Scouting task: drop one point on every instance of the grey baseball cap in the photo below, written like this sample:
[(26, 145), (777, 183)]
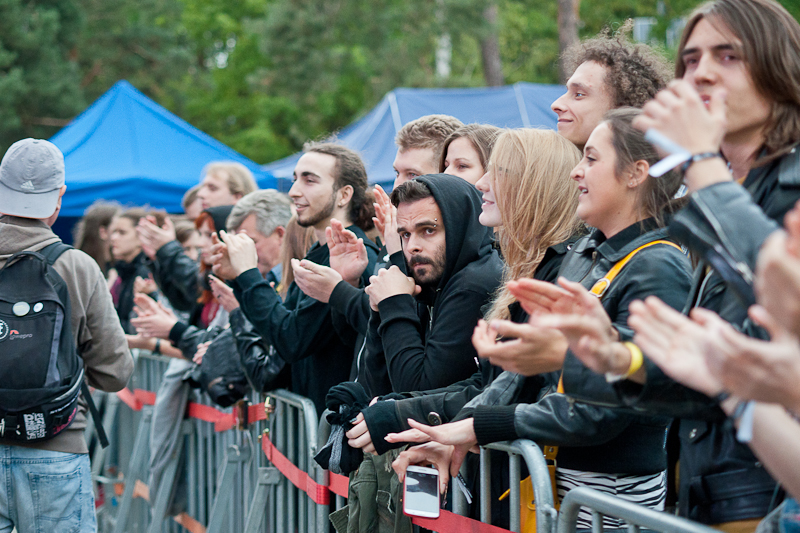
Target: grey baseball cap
[(31, 176)]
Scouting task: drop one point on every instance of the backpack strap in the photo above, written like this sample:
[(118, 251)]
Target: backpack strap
[(601, 285), (52, 252)]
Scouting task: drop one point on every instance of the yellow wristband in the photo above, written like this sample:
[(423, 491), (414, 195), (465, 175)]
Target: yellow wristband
[(637, 359)]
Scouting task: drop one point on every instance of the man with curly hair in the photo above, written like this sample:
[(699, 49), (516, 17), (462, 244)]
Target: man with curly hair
[(608, 72)]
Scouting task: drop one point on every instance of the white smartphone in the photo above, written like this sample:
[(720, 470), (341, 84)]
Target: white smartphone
[(421, 492)]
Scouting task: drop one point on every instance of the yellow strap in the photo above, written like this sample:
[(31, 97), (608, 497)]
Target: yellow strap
[(602, 284)]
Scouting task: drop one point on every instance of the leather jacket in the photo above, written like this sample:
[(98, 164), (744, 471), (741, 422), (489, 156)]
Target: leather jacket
[(721, 480)]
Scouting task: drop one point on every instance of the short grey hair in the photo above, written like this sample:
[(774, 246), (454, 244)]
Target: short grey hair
[(272, 209)]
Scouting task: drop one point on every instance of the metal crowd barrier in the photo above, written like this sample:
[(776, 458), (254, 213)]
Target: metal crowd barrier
[(636, 516), (235, 486), (223, 469)]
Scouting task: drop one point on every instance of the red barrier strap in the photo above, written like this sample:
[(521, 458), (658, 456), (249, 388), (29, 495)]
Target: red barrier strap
[(452, 523), (339, 484), (319, 493)]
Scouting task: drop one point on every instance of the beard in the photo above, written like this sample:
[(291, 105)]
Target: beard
[(431, 276), (314, 218)]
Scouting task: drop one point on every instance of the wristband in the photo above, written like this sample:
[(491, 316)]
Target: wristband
[(157, 348), (637, 361), (699, 157)]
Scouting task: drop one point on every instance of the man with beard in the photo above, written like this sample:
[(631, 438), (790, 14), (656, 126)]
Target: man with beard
[(420, 328), (329, 182)]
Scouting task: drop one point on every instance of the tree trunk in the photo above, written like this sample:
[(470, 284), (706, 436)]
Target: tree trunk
[(490, 49), (567, 31)]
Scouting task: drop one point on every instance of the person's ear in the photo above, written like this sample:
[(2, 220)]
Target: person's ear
[(344, 195), (638, 173)]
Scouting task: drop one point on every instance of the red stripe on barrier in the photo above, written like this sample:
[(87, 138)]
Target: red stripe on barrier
[(127, 397), (145, 396), (301, 480), (339, 484), (453, 523)]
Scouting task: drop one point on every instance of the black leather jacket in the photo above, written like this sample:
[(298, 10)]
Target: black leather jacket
[(597, 438), (720, 478)]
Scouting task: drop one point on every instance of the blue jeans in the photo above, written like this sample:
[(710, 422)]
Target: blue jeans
[(45, 492)]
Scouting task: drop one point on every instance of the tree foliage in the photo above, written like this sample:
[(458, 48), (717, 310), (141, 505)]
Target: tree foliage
[(264, 76)]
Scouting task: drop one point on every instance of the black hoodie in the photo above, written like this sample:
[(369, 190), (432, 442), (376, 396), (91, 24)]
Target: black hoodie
[(425, 342)]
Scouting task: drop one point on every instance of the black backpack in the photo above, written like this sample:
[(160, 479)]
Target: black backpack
[(41, 373)]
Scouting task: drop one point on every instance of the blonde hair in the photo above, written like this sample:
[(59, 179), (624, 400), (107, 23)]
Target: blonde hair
[(237, 176), (530, 173), (429, 131)]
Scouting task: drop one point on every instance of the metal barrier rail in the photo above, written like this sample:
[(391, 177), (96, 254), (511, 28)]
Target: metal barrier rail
[(546, 513), (233, 487), (636, 516), (293, 432), (211, 460)]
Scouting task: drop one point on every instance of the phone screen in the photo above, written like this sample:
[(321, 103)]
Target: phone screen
[(421, 493)]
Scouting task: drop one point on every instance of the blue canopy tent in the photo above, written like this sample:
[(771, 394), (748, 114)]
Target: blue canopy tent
[(127, 148), (513, 106)]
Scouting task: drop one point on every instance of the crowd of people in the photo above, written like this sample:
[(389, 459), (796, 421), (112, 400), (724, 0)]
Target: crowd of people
[(641, 325)]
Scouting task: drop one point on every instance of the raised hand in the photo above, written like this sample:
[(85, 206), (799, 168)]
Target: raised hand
[(348, 255), (679, 113), (569, 298), (675, 343), (223, 293), (527, 350), (386, 220), (766, 371), (153, 237), (241, 251), (153, 320), (316, 281)]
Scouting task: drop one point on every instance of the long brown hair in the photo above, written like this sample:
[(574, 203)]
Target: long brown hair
[(770, 39), (656, 196), (296, 242), (482, 137), (530, 173)]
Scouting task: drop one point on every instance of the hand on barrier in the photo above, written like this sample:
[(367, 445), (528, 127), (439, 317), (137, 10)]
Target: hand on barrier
[(348, 255), (316, 281), (527, 350), (223, 293), (439, 455), (241, 252), (152, 237), (359, 437), (676, 343), (390, 282), (153, 320), (386, 220), (752, 369)]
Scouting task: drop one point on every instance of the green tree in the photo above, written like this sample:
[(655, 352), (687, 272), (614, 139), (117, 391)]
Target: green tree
[(39, 79)]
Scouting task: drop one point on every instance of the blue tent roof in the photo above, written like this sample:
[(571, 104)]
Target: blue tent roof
[(514, 106), (125, 147)]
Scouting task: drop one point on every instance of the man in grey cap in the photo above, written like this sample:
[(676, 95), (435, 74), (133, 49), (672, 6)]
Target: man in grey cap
[(48, 484)]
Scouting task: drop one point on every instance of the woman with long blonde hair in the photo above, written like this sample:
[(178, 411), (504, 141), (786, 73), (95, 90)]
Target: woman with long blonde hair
[(530, 199)]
